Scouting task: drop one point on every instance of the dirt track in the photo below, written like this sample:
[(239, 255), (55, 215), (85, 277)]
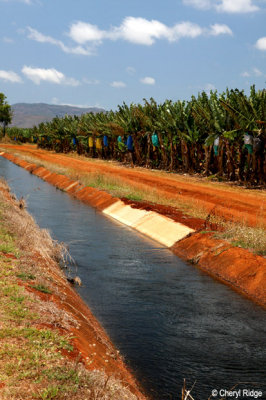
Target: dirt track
[(234, 266), (231, 203)]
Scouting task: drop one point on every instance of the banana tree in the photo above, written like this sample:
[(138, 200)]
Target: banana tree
[(154, 113), (247, 118), (132, 119)]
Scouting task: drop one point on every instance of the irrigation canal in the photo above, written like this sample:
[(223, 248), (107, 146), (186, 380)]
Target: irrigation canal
[(168, 319)]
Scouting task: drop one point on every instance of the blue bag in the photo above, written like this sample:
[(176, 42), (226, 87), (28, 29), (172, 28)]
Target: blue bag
[(105, 141), (130, 143), (155, 140)]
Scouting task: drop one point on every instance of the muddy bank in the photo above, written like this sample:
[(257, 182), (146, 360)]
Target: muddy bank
[(242, 270), (62, 309)]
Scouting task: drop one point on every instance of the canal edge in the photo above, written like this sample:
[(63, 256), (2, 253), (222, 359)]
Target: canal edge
[(238, 268), (62, 311)]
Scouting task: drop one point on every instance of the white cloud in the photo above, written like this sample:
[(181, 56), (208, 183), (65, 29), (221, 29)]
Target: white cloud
[(208, 87), (261, 44), (148, 80), (134, 30), (257, 72), (20, 1), (37, 75), (202, 4), (142, 31), (237, 6), (91, 81), (82, 32), (254, 72), (220, 29), (118, 84), (228, 6), (130, 70), (184, 29), (7, 40), (71, 82), (57, 102), (139, 31), (39, 37), (10, 76)]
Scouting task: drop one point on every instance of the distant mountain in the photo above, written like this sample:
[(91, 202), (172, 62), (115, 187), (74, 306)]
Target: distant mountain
[(27, 115)]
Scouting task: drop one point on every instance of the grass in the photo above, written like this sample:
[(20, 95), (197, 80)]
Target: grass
[(25, 276), (7, 244), (238, 234), (197, 179), (33, 364), (41, 288), (241, 235), (113, 185)]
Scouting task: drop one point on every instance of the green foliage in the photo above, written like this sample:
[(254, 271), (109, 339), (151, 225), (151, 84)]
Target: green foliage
[(42, 289), (25, 276), (186, 133), (134, 197), (5, 112)]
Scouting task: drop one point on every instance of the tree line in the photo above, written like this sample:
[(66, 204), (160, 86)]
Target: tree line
[(217, 135)]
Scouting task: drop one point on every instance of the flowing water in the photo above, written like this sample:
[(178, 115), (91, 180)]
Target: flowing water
[(168, 319)]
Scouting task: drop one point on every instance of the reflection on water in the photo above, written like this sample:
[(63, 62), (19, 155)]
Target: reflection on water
[(168, 319)]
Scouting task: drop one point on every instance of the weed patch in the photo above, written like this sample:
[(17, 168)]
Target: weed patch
[(41, 288), (25, 276), (241, 235)]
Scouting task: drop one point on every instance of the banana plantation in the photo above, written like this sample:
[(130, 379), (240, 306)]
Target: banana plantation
[(218, 135)]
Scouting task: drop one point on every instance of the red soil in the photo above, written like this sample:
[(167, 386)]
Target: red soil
[(239, 205), (91, 344), (244, 271), (8, 255), (239, 268)]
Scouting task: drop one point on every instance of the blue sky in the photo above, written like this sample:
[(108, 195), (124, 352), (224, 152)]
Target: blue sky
[(101, 53)]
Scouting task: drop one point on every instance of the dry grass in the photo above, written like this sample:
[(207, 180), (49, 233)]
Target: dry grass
[(239, 234), (31, 237), (180, 177), (6, 140), (31, 363)]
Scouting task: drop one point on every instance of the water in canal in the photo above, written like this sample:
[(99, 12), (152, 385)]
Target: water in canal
[(168, 319)]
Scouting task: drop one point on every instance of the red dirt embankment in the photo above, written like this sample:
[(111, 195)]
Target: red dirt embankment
[(231, 204), (244, 271), (92, 346)]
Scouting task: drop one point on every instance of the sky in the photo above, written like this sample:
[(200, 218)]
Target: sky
[(101, 53)]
